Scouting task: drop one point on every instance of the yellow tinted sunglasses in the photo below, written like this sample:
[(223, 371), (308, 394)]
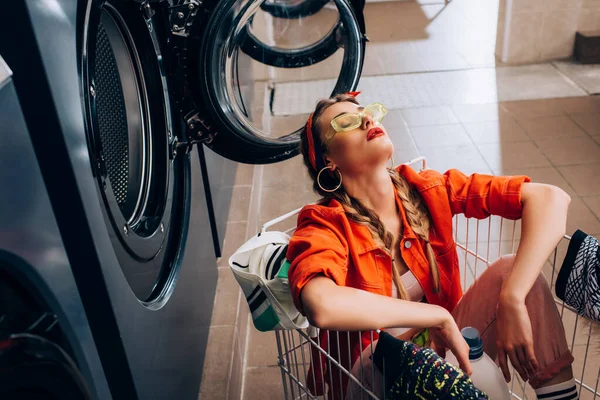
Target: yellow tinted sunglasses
[(349, 121)]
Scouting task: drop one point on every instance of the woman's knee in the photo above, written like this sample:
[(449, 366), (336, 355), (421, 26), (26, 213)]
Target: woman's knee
[(499, 269), (502, 267)]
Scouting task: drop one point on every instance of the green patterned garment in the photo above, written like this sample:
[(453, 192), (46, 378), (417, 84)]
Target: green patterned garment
[(419, 373)]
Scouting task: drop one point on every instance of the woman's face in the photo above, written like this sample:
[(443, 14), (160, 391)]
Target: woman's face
[(361, 149)]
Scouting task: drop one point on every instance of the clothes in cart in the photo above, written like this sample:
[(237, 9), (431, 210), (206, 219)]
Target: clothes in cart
[(412, 372), (261, 269), (578, 282)]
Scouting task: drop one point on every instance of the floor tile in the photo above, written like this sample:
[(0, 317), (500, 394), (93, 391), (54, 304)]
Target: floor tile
[(512, 155), (589, 122), (594, 204), (536, 81), (504, 130), (585, 179), (580, 105), (282, 125), (468, 86), (586, 76), (404, 144), (478, 112), (464, 158), (440, 136), (444, 62), (286, 175), (237, 376), (262, 349), (429, 116), (235, 236), (580, 217), (476, 60), (570, 151), (226, 299), (532, 108), (373, 62), (244, 174), (405, 154), (217, 363), (548, 175), (264, 383), (554, 127), (276, 202), (240, 201), (393, 119), (396, 64)]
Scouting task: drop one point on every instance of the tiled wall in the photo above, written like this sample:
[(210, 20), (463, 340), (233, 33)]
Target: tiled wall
[(542, 30), (589, 16)]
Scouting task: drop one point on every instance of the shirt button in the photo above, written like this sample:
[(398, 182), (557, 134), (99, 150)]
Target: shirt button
[(407, 244)]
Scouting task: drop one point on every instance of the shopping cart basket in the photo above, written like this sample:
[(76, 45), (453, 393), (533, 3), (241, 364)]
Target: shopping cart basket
[(479, 243)]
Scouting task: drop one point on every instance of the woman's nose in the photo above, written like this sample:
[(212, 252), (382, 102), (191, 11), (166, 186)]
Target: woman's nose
[(367, 121)]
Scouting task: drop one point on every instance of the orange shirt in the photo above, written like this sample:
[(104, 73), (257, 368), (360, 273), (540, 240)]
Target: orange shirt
[(327, 243)]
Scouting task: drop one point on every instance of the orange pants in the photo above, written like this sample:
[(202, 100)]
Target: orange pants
[(477, 308)]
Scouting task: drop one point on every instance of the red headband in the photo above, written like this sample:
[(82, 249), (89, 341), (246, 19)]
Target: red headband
[(311, 143), (314, 153)]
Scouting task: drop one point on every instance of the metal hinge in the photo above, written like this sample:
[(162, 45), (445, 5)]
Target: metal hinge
[(181, 17), (197, 131)]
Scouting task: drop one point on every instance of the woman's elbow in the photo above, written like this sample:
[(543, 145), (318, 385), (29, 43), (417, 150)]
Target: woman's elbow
[(559, 198), (537, 194), (315, 305), (317, 314)]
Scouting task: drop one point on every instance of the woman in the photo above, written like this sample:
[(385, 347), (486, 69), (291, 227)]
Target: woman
[(377, 225)]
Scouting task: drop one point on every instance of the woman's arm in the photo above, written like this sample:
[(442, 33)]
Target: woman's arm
[(543, 225), (341, 308)]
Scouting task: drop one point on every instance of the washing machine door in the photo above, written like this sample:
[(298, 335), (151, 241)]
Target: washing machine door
[(249, 73)]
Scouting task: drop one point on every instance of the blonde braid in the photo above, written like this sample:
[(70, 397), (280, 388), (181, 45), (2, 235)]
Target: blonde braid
[(418, 219), (360, 214), (354, 209)]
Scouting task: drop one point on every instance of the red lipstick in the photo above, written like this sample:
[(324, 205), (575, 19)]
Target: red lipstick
[(374, 133)]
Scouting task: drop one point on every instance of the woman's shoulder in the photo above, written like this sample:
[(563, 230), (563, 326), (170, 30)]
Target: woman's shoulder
[(325, 209), (421, 179)]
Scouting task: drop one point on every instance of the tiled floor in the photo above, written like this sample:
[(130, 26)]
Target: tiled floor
[(434, 67)]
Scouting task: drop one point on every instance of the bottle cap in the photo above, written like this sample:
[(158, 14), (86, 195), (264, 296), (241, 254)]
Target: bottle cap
[(473, 339)]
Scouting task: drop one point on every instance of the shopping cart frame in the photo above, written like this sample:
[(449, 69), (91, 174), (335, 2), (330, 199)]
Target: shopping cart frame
[(292, 345)]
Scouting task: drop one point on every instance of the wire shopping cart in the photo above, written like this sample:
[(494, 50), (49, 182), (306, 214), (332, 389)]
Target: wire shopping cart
[(479, 243)]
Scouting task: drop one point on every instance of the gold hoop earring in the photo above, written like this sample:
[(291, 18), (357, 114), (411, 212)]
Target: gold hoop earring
[(321, 186), (393, 163)]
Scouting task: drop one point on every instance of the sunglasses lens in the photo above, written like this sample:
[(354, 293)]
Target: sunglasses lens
[(377, 112), (348, 121)]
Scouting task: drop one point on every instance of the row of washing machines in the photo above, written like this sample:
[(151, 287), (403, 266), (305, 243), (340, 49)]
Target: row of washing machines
[(121, 126)]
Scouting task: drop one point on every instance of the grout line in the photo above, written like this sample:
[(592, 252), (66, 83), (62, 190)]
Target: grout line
[(580, 127), (570, 80), (252, 226)]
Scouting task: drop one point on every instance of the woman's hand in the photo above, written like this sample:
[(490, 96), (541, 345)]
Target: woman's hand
[(515, 339), (448, 336)]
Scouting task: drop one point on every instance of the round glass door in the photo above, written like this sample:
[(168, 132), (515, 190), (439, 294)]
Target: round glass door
[(259, 69)]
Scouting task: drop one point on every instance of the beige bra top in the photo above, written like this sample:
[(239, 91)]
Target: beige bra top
[(415, 293)]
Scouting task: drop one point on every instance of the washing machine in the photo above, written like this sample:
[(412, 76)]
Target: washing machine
[(121, 122), (47, 349)]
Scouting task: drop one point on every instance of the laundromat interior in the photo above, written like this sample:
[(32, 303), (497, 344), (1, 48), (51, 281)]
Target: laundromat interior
[(143, 142)]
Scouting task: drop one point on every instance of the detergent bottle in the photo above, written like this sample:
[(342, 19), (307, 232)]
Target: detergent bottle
[(486, 375)]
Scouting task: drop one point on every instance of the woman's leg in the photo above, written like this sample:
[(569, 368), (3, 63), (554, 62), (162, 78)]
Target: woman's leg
[(368, 375), (477, 308)]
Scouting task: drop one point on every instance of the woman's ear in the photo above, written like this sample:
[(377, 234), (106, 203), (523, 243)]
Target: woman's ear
[(330, 164)]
